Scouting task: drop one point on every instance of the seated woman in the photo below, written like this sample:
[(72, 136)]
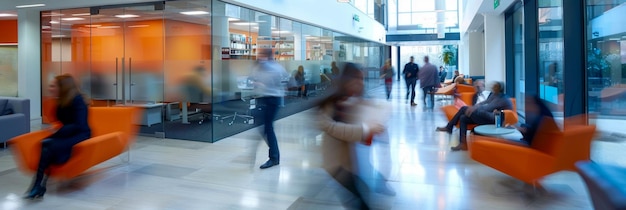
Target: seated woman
[(537, 112), (300, 82), (71, 112)]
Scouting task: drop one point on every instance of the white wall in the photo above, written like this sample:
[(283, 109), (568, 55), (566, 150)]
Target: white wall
[(323, 13), (476, 53), (495, 68)]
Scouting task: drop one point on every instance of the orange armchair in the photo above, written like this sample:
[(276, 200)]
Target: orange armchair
[(552, 151), (112, 132)]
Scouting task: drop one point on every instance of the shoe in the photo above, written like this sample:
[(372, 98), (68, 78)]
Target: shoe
[(443, 129), (36, 192), (413, 104), (461, 146), (269, 163)]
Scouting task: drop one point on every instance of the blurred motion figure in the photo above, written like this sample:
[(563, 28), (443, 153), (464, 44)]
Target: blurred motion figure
[(267, 80), (71, 112), (343, 127)]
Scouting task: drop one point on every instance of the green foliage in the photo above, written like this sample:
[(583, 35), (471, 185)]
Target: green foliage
[(597, 64), (448, 55)]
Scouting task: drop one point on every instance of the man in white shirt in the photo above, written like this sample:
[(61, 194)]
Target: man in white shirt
[(481, 94)]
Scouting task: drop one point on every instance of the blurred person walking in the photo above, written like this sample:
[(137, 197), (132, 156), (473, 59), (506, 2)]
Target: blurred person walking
[(429, 80), (387, 72), (410, 72), (344, 127), (267, 79), (71, 112)]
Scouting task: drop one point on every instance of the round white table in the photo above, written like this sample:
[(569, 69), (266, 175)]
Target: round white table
[(491, 130)]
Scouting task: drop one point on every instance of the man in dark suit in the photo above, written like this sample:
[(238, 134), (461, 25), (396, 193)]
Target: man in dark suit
[(481, 114), (410, 77), (442, 74)]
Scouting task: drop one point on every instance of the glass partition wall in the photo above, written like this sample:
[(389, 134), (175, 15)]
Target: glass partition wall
[(186, 63)]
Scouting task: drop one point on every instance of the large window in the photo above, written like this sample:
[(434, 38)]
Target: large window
[(606, 59), (518, 48), (422, 16), (550, 19)]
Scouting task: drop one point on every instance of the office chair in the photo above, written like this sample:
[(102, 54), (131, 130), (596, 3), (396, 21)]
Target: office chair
[(246, 87)]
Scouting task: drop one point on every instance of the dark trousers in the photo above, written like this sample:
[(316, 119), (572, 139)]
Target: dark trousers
[(270, 110), (48, 156), (410, 86), (464, 120), (428, 90)]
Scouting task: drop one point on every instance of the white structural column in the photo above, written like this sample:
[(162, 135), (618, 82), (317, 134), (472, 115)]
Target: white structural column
[(476, 53), (494, 48), (28, 60), (463, 56), (440, 6)]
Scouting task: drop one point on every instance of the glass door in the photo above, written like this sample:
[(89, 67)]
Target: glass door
[(127, 60)]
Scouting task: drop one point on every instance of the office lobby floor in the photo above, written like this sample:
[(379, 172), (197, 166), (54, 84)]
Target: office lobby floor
[(175, 174)]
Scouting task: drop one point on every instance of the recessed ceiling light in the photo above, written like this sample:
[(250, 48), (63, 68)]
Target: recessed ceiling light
[(7, 15), (92, 26), (58, 36), (72, 19), (127, 16), (54, 22), (281, 32), (106, 27), (81, 14), (232, 19), (194, 13), (53, 14), (244, 23), (138, 26), (30, 5)]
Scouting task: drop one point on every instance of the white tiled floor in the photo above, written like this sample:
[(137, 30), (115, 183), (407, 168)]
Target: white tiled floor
[(174, 174)]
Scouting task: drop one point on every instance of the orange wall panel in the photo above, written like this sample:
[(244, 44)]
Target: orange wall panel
[(8, 34)]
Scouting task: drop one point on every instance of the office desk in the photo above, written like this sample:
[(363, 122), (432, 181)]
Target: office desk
[(152, 113)]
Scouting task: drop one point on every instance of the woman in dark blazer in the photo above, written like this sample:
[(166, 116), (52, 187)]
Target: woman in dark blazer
[(71, 112)]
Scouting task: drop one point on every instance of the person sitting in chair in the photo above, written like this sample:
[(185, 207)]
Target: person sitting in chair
[(481, 114)]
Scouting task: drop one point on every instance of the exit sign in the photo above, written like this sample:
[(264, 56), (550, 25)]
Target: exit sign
[(496, 3)]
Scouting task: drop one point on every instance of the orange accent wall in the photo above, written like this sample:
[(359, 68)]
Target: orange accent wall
[(9, 31)]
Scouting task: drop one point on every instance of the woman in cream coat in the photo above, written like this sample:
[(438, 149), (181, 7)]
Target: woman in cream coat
[(339, 119)]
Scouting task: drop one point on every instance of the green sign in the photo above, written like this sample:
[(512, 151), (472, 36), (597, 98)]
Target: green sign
[(496, 3)]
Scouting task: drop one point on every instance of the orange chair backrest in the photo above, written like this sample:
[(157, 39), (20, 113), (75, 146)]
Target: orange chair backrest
[(104, 120), (465, 88), (467, 97), (576, 146)]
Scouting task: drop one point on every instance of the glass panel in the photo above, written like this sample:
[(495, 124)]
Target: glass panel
[(187, 70), (423, 5), (404, 6), (451, 19), (551, 54), (127, 61), (425, 19), (606, 66), (451, 4), (404, 19)]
